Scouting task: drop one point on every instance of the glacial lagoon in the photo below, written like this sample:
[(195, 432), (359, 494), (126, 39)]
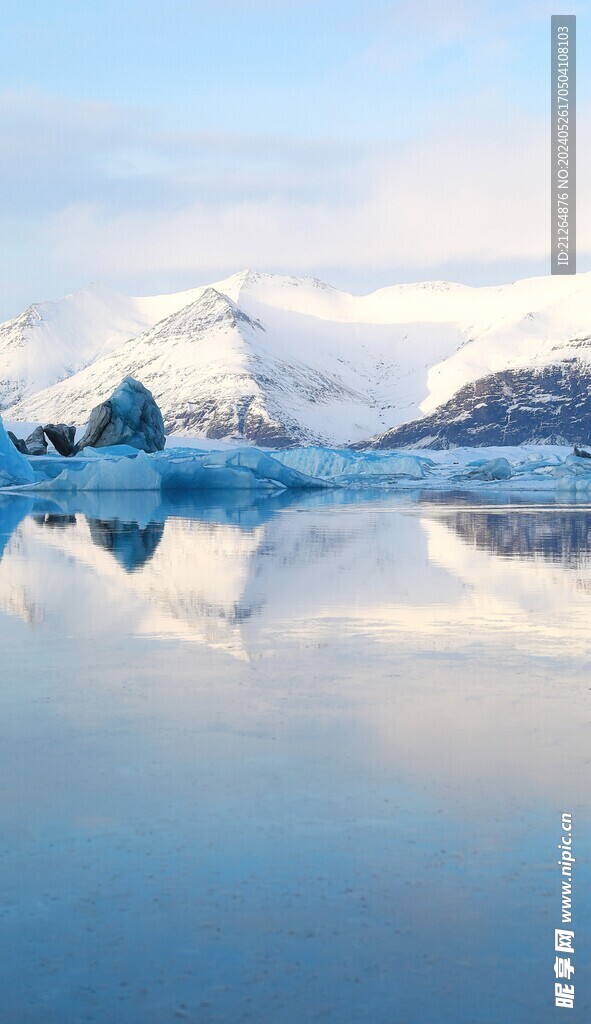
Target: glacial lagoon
[(296, 757)]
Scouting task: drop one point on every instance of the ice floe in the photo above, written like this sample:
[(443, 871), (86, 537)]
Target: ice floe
[(343, 466), (492, 469), (574, 474), (187, 470)]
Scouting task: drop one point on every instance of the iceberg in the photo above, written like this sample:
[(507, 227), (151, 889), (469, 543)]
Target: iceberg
[(493, 469), (106, 474), (574, 474), (14, 467), (533, 463), (346, 466), (266, 467), (130, 416)]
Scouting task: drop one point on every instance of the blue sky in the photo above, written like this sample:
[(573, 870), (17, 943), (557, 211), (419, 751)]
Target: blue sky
[(154, 146)]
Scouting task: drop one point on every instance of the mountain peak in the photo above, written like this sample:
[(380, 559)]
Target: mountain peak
[(211, 310), (252, 278)]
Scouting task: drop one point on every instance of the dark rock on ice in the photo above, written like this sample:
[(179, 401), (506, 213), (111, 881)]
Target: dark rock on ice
[(18, 443), (36, 443), (61, 436), (130, 416)]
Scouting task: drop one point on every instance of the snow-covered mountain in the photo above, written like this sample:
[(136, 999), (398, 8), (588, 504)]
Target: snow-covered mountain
[(279, 360), (53, 340)]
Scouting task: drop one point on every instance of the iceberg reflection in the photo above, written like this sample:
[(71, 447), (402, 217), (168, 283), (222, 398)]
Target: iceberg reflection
[(223, 572)]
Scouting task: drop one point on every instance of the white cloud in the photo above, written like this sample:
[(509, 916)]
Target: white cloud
[(94, 192), (482, 198)]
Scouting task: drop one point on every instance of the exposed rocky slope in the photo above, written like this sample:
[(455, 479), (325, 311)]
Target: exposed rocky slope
[(550, 405)]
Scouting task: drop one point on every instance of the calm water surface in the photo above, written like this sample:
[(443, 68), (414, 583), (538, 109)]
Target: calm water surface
[(290, 761)]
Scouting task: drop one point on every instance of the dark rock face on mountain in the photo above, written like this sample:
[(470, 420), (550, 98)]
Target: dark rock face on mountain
[(130, 416), (551, 405), (61, 436), (238, 417)]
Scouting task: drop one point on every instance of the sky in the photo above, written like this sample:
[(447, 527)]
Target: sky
[(151, 147)]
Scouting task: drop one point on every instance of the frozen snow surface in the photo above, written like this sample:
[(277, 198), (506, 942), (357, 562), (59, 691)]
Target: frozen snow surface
[(123, 468)]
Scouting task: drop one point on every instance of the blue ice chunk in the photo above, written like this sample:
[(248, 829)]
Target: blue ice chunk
[(267, 467), (494, 469), (118, 450), (130, 416), (347, 466), (48, 467), (14, 467), (573, 474), (105, 474), (534, 463), (242, 469)]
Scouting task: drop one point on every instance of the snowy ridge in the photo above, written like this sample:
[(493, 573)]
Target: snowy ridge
[(283, 360), (53, 340)]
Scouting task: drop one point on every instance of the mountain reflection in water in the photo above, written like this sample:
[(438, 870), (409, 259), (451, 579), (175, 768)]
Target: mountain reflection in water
[(558, 535), (204, 569), (290, 758)]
